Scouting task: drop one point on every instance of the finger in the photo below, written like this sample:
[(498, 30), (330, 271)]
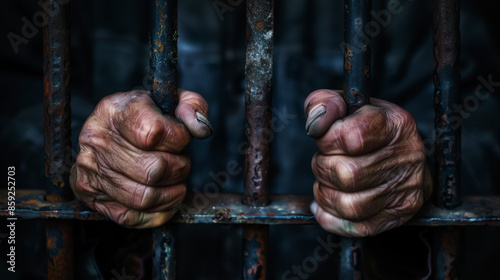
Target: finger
[(140, 197), (152, 168), (365, 131), (132, 218), (353, 174), (193, 112), (353, 206), (383, 221), (322, 109), (115, 154), (142, 124), (386, 166)]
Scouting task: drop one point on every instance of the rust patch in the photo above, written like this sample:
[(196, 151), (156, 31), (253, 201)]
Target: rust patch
[(159, 46), (259, 26), (51, 242), (347, 65), (223, 216)]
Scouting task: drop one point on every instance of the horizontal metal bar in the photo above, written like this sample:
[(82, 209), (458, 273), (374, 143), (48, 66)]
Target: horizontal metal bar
[(228, 209)]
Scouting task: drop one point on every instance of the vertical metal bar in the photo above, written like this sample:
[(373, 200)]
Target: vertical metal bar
[(357, 56), (356, 90), (57, 109), (57, 136), (445, 257), (446, 37), (163, 62), (163, 54), (165, 249), (258, 73), (350, 259), (255, 238)]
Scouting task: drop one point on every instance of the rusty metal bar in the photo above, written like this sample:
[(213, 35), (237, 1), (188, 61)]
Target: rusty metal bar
[(163, 54), (163, 62), (357, 53), (258, 73), (165, 248), (57, 108), (57, 136), (356, 93), (445, 257), (255, 238), (228, 208), (446, 35)]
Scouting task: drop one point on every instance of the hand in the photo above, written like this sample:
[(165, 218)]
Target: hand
[(131, 166), (370, 166)]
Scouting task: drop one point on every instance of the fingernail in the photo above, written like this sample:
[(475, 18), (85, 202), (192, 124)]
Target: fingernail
[(202, 119), (315, 113), (314, 207)]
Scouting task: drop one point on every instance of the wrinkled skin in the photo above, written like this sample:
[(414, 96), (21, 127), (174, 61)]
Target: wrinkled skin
[(370, 167), (131, 166)]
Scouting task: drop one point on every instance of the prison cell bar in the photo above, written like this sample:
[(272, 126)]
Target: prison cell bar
[(227, 208), (357, 56), (163, 62), (356, 93), (446, 38), (258, 73), (57, 137)]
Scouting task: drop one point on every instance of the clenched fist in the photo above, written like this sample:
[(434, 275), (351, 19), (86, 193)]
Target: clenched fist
[(370, 167), (131, 166)]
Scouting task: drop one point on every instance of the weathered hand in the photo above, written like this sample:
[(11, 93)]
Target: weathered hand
[(131, 166), (370, 166)]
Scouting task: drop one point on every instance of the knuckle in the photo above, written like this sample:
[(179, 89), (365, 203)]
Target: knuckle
[(150, 132), (180, 166), (405, 120), (336, 171), (107, 106), (156, 171), (353, 139), (84, 160), (326, 196), (343, 174), (349, 207), (144, 198)]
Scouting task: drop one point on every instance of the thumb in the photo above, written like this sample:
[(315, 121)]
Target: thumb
[(323, 107), (193, 112)]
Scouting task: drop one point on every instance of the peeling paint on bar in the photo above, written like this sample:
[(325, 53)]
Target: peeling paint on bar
[(163, 54), (258, 72), (60, 254), (165, 254), (57, 107), (446, 38), (356, 54), (446, 35), (163, 63), (57, 137), (255, 238), (356, 93)]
